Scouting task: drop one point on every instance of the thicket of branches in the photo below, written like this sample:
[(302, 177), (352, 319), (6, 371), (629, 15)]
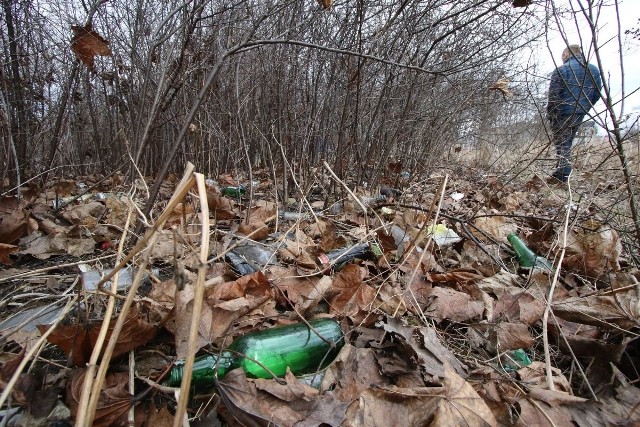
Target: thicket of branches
[(286, 85), (250, 83)]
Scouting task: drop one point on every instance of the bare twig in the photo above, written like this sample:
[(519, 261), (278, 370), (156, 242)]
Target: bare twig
[(554, 283), (197, 304), (86, 392)]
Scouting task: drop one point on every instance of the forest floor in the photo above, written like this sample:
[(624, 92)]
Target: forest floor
[(443, 328)]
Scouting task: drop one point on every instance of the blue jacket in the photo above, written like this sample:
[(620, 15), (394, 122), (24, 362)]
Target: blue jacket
[(574, 88)]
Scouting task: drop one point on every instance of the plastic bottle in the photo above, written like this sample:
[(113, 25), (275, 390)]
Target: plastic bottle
[(295, 346), (233, 191), (526, 257), (341, 256)]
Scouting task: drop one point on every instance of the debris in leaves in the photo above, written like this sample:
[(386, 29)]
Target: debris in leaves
[(439, 331)]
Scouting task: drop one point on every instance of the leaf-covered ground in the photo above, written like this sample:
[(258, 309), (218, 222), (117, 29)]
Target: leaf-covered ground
[(444, 328)]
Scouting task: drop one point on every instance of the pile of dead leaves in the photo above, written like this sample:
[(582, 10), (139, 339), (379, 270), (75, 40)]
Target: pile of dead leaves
[(439, 330)]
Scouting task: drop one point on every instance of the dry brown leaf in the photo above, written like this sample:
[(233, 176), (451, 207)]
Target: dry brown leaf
[(303, 292), (221, 207), (454, 277), (49, 227), (420, 291), (114, 401), (497, 227), (299, 251), (117, 210), (502, 85), (501, 337), (593, 253), (262, 211), (445, 303), (289, 392), (43, 247), (428, 349), (535, 376), (77, 341), (518, 307), (511, 202), (224, 304), (542, 415), (5, 250), (9, 367), (265, 402), (461, 405), (228, 179), (325, 3), (87, 44), (394, 406), (84, 214), (161, 418), (329, 238), (14, 220), (38, 399), (353, 297), (353, 371), (608, 311), (585, 341), (259, 229)]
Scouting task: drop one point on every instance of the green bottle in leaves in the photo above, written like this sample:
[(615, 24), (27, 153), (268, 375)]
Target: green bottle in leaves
[(526, 257), (233, 191), (269, 352)]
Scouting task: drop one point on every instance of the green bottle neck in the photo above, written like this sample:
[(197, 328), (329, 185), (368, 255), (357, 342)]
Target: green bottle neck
[(526, 257), (205, 367)]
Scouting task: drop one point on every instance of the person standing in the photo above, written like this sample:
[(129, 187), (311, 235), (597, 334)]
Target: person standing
[(574, 88)]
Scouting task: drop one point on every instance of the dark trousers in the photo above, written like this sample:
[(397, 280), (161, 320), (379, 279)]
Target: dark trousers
[(563, 130)]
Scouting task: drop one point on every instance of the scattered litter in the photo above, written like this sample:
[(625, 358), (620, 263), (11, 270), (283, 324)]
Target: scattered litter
[(442, 235), (90, 278), (27, 320)]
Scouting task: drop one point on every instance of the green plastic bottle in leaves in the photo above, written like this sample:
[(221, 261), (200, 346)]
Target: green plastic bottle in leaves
[(269, 352), (526, 257)]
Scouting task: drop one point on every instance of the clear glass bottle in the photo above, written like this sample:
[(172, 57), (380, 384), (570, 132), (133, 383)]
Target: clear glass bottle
[(295, 346), (526, 257)]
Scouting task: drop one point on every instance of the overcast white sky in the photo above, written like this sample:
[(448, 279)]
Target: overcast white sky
[(609, 46)]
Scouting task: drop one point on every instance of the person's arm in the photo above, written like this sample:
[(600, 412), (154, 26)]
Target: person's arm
[(597, 83), (555, 88)]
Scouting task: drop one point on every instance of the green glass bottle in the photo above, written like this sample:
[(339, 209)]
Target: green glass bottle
[(233, 191), (526, 257), (295, 346)]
